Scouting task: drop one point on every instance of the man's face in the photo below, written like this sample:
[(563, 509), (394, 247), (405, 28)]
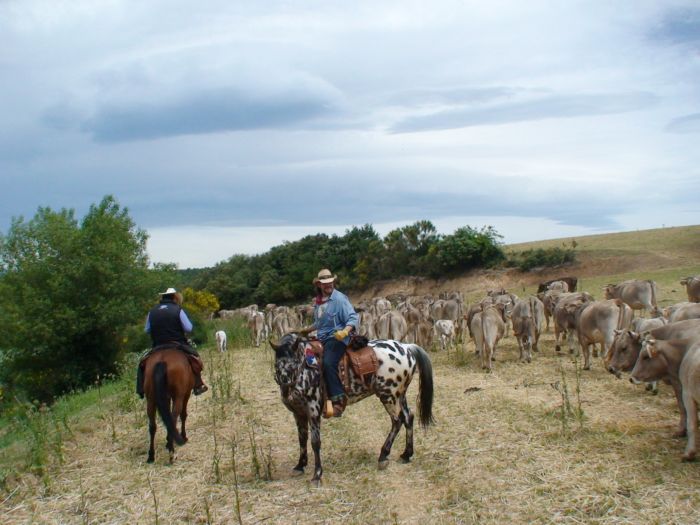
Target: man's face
[(327, 288)]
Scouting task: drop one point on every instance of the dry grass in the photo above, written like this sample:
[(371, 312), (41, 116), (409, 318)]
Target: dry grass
[(499, 454)]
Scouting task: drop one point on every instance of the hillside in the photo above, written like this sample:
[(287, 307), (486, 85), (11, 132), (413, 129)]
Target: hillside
[(664, 254)]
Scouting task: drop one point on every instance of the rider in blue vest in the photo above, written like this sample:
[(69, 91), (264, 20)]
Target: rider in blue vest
[(167, 323)]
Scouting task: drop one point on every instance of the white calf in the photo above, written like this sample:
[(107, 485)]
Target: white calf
[(220, 337), (445, 332)]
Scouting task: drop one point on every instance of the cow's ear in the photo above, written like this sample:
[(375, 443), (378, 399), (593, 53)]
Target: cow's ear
[(617, 332), (635, 336), (651, 348)]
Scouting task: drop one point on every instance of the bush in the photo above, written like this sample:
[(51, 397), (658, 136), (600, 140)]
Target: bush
[(68, 291), (540, 257)]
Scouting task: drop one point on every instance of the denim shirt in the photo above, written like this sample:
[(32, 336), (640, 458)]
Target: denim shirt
[(335, 314)]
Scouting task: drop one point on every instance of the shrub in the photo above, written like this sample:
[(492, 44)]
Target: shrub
[(529, 259)]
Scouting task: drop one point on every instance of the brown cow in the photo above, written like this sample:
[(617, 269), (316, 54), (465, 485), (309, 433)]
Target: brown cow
[(391, 325), (527, 318), (661, 360), (627, 343), (637, 294), (488, 327), (596, 322), (690, 388), (565, 317), (692, 288), (570, 281), (686, 311)]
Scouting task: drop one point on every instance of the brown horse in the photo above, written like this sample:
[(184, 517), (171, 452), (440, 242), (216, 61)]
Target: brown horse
[(168, 382)]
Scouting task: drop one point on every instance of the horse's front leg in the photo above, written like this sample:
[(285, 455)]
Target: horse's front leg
[(316, 445), (303, 434)]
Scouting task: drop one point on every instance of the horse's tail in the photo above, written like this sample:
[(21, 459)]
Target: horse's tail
[(160, 383), (426, 390)]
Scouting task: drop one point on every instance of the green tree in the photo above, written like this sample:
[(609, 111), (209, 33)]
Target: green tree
[(68, 291), (466, 248)]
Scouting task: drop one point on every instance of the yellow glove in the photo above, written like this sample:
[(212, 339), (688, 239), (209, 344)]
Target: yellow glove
[(342, 334)]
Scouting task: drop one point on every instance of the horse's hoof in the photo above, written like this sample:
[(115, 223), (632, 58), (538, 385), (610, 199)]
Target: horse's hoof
[(405, 460), (680, 433), (382, 465), (150, 459), (297, 472), (688, 457), (315, 482)]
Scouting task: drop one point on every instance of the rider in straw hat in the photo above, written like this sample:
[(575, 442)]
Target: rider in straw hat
[(334, 320), (167, 323)]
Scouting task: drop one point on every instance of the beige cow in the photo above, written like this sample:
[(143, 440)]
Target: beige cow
[(488, 327), (692, 288), (597, 321), (528, 320), (637, 294)]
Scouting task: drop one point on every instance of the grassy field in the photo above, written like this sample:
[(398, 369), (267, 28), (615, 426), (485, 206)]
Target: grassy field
[(531, 443)]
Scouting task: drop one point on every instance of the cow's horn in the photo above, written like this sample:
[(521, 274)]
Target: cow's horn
[(273, 345)]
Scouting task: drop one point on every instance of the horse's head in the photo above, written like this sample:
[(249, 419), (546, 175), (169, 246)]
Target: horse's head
[(288, 358)]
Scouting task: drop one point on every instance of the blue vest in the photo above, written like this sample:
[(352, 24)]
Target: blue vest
[(166, 326)]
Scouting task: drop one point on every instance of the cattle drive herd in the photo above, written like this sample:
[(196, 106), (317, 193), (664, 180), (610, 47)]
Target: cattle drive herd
[(652, 345)]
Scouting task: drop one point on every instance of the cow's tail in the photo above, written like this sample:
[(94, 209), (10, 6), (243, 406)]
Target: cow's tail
[(652, 285), (160, 383), (426, 388), (622, 321)]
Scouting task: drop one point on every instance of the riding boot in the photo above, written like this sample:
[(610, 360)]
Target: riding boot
[(339, 406), (199, 386), (139, 381)]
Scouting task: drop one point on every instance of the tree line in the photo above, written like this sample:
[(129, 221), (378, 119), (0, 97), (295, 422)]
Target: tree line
[(361, 257)]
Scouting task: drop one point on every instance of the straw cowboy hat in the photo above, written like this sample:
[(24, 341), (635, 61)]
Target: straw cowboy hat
[(176, 295), (325, 276)]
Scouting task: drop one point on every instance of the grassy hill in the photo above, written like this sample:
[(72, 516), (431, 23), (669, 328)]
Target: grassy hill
[(665, 255)]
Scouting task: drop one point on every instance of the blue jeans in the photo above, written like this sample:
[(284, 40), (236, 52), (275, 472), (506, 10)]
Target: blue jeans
[(333, 351)]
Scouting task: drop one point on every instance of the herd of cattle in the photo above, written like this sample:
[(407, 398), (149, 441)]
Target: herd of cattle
[(665, 346)]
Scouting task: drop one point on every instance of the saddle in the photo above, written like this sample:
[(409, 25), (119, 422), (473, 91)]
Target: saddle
[(359, 356), (195, 361)]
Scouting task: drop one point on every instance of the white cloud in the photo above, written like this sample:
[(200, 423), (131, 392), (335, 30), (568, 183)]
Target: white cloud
[(235, 116)]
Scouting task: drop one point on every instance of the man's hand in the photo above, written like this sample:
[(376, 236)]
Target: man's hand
[(342, 334), (306, 330)]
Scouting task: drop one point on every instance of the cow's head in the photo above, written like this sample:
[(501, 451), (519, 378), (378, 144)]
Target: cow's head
[(623, 352), (609, 290), (651, 364)]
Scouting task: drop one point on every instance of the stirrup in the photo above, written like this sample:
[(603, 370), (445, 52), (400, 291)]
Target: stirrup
[(200, 390)]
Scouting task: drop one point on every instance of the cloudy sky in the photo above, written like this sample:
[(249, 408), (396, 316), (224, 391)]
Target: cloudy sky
[(228, 127)]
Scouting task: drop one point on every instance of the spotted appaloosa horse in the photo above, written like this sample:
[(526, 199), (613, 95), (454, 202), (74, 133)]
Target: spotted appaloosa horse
[(302, 393)]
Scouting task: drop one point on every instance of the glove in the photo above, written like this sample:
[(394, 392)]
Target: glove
[(342, 334)]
